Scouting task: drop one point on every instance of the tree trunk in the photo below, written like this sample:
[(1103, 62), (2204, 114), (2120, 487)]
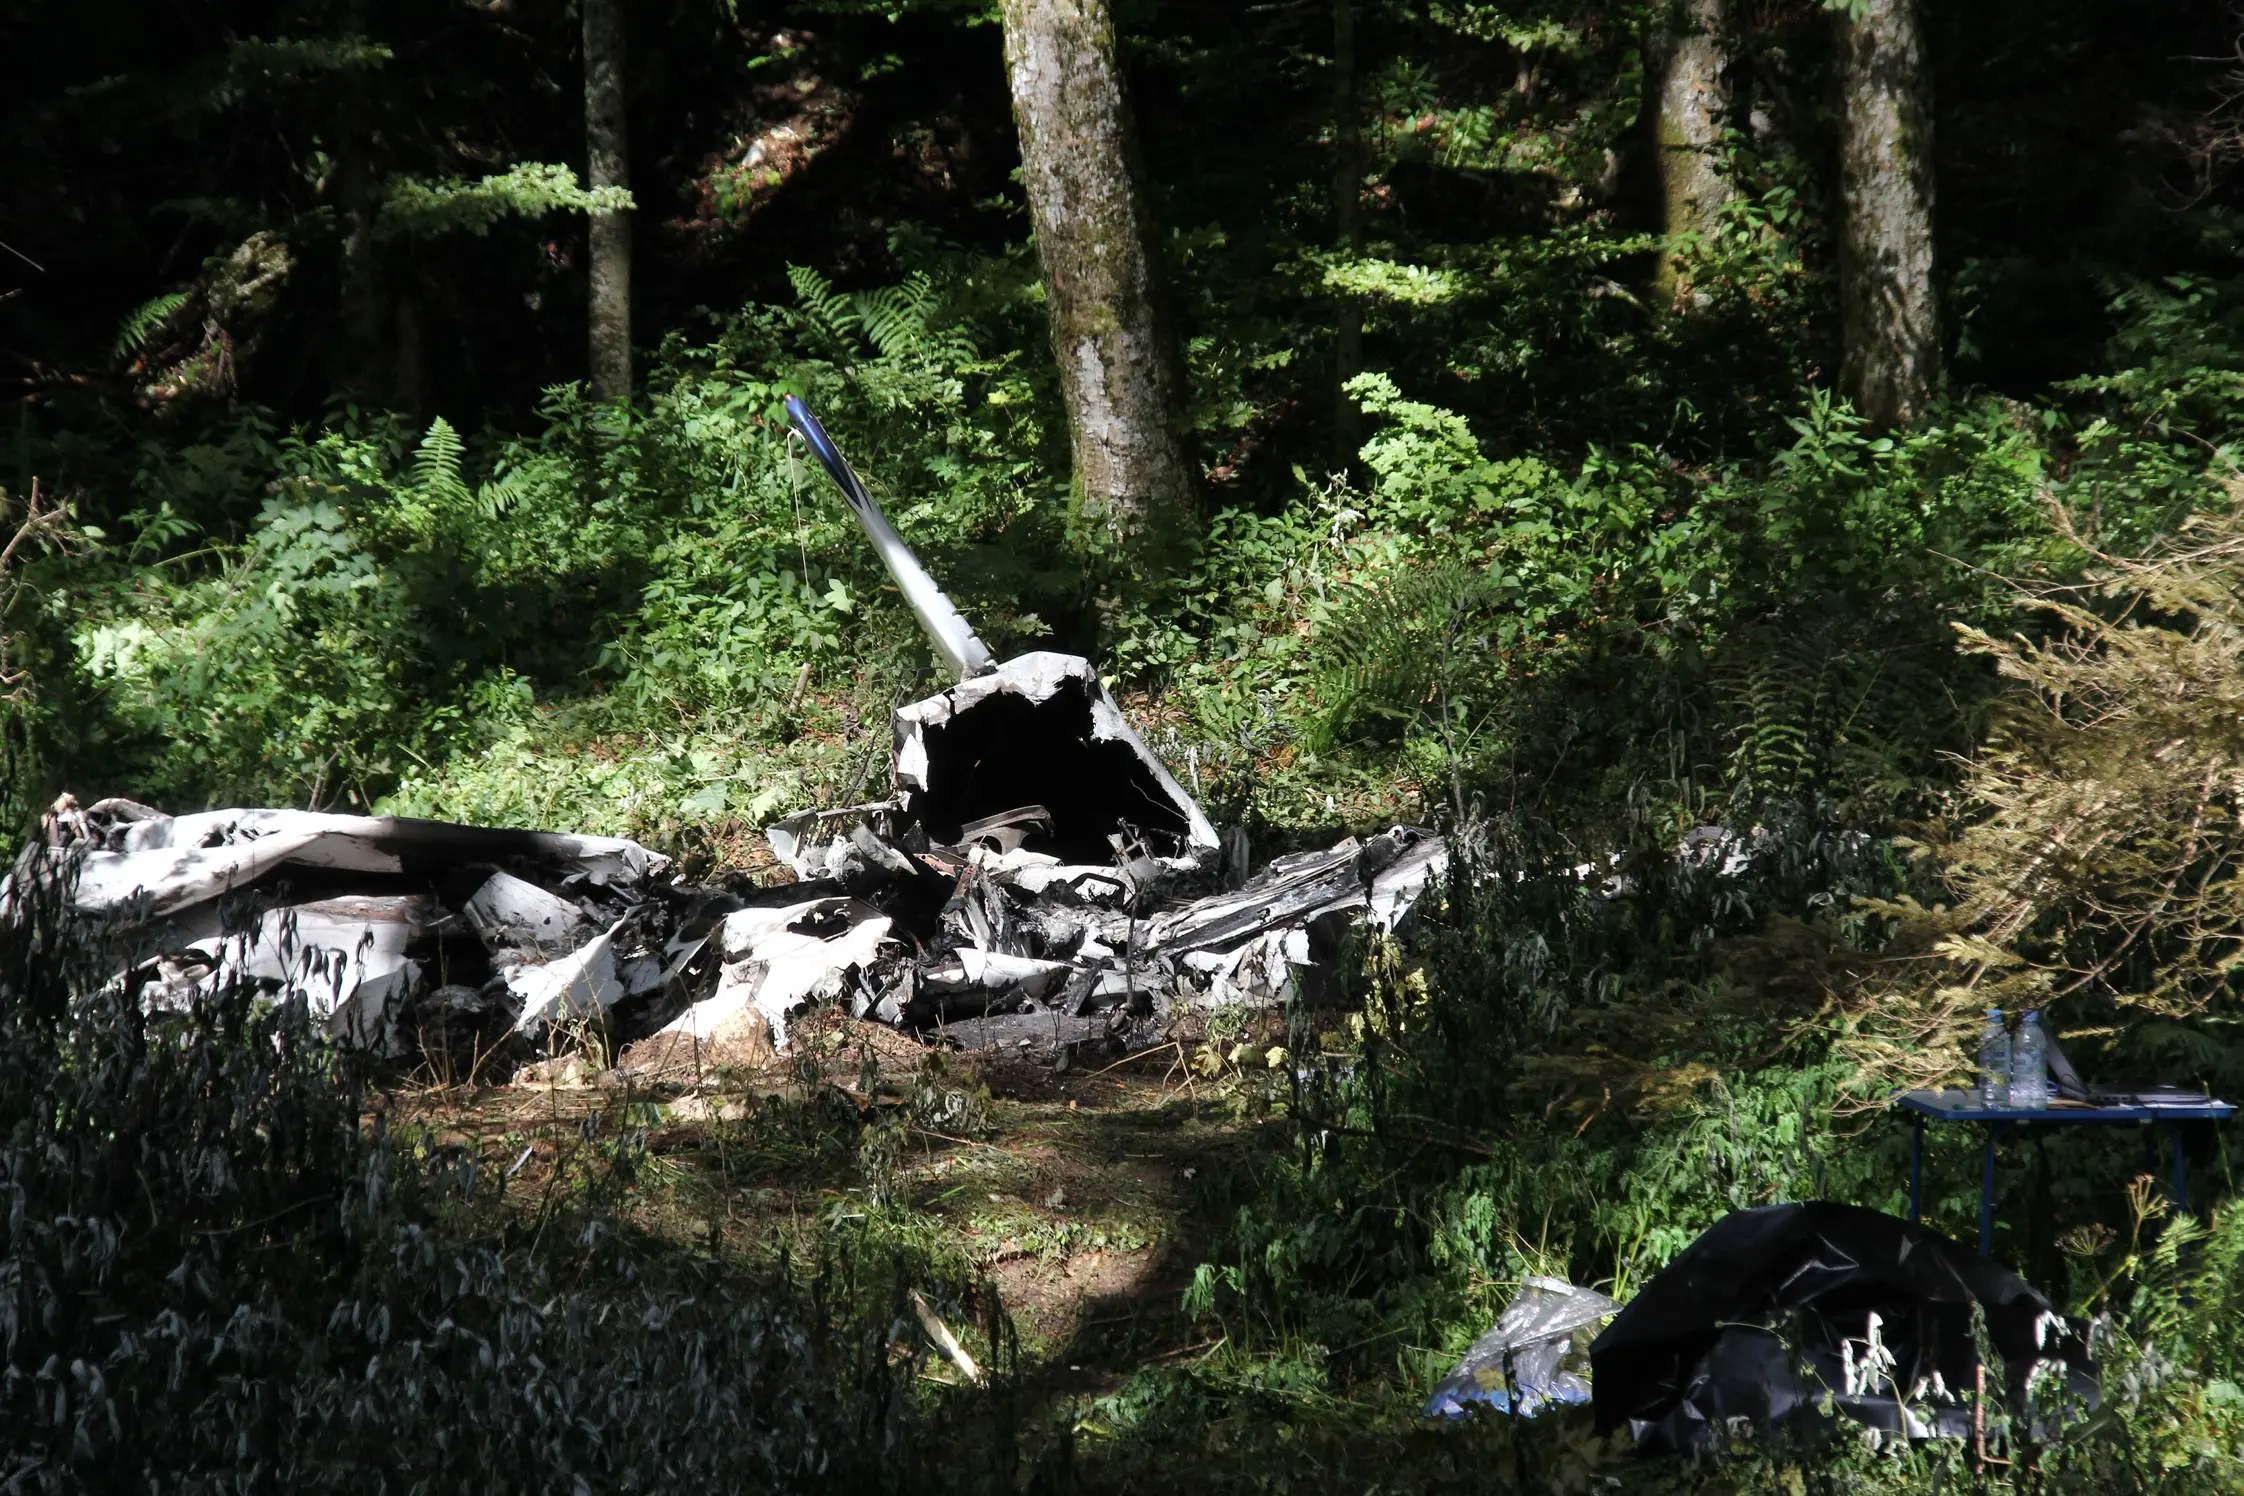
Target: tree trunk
[(611, 231), (1687, 124), (365, 290), (1120, 367), (365, 300), (1889, 324), (409, 365), (1348, 233)]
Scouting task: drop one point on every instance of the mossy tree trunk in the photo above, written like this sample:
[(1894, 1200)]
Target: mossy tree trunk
[(1889, 322), (1120, 367), (608, 166), (1687, 124)]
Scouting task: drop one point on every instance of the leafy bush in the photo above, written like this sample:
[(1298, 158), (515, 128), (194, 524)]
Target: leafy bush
[(1773, 629), (395, 589)]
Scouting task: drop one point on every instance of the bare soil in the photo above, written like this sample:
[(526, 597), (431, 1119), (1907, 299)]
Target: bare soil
[(1078, 1193)]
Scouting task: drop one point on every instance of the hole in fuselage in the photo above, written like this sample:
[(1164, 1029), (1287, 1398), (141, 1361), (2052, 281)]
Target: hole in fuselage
[(1007, 751)]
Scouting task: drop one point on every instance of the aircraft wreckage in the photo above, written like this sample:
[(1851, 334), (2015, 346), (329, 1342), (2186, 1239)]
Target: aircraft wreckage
[(1037, 879)]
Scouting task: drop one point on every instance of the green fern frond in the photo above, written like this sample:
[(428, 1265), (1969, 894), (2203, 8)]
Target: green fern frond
[(1393, 648), (899, 322), (1812, 705), (1780, 687), (145, 322), (895, 318), (821, 303), (503, 493), (436, 465)]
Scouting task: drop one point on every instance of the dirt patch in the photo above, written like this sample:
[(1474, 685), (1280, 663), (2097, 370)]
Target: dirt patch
[(684, 1059), (1050, 1300), (1077, 1193)]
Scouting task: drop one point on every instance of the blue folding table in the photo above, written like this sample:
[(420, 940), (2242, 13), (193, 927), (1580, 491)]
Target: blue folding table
[(1963, 1106)]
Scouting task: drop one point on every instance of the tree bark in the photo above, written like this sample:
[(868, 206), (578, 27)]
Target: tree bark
[(1121, 371), (1889, 322), (1687, 121), (1348, 233), (365, 302), (409, 368), (365, 289), (608, 163)]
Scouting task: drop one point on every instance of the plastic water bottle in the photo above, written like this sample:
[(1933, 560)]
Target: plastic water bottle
[(1994, 1063), (2029, 1065)]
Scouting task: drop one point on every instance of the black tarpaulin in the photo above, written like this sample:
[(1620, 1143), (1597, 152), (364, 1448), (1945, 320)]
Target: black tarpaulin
[(1802, 1311)]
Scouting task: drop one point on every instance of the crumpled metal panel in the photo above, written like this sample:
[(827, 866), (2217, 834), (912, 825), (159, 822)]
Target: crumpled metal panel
[(1041, 730), (778, 960), (344, 913)]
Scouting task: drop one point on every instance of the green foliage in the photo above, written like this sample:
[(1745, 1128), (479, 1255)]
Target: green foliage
[(395, 589), (1837, 707), (1421, 653), (2096, 864), (1384, 280), (146, 320), (294, 659), (1769, 629), (414, 208)]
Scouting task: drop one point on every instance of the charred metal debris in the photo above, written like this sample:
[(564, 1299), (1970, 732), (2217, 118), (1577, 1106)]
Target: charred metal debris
[(1037, 880)]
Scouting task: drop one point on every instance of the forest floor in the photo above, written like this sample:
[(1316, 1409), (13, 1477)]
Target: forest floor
[(1077, 1193)]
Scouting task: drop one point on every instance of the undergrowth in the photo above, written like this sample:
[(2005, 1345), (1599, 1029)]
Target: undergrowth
[(214, 1275)]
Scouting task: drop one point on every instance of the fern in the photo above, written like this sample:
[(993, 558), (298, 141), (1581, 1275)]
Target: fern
[(1860, 709), (899, 321), (145, 322), (436, 466), (504, 492), (835, 311), (440, 484), (895, 318), (1417, 650), (1779, 686)]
